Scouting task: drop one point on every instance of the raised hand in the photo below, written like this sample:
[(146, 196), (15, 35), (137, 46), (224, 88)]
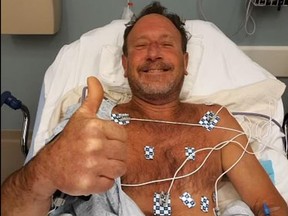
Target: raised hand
[(89, 153)]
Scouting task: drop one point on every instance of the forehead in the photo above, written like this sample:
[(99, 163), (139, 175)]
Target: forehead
[(154, 24)]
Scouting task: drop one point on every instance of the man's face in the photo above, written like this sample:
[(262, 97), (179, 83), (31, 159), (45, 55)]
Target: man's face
[(155, 64)]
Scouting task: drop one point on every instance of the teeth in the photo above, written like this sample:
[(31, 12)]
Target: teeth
[(155, 70)]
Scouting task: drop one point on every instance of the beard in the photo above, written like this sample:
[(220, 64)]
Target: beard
[(155, 87)]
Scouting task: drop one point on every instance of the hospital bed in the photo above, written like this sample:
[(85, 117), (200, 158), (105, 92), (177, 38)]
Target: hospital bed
[(219, 72)]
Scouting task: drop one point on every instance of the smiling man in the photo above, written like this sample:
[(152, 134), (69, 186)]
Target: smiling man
[(155, 53)]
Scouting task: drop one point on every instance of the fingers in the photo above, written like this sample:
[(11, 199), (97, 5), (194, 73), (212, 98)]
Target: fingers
[(95, 95), (98, 180), (116, 150), (114, 131), (113, 169), (105, 183)]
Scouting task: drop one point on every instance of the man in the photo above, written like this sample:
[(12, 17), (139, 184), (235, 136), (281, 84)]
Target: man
[(91, 153)]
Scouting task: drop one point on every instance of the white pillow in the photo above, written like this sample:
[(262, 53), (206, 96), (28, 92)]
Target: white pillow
[(215, 63)]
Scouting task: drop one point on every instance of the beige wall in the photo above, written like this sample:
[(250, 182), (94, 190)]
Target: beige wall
[(272, 58), (11, 156)]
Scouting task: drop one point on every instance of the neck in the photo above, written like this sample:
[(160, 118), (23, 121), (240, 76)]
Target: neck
[(168, 110)]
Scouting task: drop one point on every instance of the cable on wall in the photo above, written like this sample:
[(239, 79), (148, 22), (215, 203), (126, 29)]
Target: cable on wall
[(249, 5), (248, 17)]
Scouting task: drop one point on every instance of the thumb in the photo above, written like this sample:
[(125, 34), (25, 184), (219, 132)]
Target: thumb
[(95, 95)]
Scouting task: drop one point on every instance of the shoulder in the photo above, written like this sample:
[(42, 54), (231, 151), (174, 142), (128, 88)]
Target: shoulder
[(215, 109), (222, 118)]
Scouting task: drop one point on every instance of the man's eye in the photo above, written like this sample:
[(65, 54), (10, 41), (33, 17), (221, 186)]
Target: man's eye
[(167, 44), (141, 46)]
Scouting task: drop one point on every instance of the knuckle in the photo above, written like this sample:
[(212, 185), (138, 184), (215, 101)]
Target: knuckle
[(120, 170), (107, 184)]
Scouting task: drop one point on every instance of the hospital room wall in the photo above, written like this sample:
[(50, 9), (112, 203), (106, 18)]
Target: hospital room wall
[(25, 58)]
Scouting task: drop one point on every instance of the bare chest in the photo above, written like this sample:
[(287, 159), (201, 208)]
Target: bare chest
[(170, 158), (166, 148)]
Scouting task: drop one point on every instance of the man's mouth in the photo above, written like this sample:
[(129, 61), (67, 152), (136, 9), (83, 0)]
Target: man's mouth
[(155, 70), (155, 67)]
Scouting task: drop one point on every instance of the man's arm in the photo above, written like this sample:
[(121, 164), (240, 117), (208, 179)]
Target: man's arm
[(85, 158), (248, 176), (27, 191)]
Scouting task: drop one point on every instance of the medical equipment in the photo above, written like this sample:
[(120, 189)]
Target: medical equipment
[(270, 2), (256, 3), (127, 12), (8, 99), (219, 72)]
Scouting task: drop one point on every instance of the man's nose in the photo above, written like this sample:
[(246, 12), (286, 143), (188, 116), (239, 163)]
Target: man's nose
[(154, 51)]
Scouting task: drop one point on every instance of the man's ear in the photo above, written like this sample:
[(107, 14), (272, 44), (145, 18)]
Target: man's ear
[(186, 59), (124, 64)]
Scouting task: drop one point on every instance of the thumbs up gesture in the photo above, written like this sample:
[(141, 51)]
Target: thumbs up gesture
[(89, 153)]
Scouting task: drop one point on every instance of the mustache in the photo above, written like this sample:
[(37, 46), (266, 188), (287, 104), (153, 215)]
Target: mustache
[(159, 65)]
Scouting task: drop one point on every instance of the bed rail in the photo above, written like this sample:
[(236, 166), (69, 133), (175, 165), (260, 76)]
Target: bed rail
[(12, 102), (285, 129)]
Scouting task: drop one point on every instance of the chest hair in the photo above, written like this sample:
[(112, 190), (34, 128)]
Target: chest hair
[(169, 142)]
